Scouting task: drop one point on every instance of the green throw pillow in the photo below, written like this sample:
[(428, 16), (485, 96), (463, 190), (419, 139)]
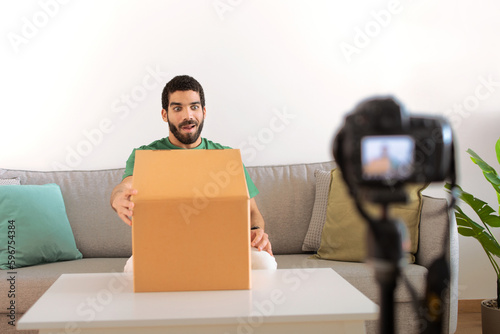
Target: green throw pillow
[(344, 234), (34, 227)]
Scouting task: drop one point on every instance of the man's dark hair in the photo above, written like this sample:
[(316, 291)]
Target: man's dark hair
[(182, 83)]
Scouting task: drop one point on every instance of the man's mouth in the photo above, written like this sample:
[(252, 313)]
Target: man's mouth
[(188, 127)]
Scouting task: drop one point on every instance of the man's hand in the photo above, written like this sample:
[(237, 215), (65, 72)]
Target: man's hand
[(120, 200), (260, 240)]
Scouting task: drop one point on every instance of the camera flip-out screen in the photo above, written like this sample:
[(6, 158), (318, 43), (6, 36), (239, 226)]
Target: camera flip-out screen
[(387, 157)]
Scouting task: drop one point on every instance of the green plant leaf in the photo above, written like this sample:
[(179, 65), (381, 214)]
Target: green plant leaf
[(480, 162), (468, 228), (489, 244), (465, 221), (489, 172), (466, 232), (498, 198), (497, 150), (481, 208)]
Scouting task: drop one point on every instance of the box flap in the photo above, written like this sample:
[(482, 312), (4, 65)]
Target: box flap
[(194, 174)]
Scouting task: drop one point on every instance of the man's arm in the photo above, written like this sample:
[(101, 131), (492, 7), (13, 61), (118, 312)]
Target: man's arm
[(259, 239), (120, 200)]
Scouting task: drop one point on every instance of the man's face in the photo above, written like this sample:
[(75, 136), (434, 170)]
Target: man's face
[(185, 117)]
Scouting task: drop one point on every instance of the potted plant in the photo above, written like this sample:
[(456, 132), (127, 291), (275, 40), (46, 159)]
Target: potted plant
[(483, 233)]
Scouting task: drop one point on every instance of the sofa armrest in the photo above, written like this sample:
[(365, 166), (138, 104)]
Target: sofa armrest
[(434, 223), (432, 232)]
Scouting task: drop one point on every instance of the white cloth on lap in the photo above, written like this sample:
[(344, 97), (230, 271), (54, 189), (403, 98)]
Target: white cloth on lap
[(260, 260)]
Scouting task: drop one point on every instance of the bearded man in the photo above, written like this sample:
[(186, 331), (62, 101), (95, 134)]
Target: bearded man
[(183, 103)]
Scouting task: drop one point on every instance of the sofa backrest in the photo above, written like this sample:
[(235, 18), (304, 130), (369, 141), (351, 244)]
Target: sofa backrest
[(285, 200)]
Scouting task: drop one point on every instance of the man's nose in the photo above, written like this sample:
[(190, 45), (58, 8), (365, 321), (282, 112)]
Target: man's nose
[(188, 114)]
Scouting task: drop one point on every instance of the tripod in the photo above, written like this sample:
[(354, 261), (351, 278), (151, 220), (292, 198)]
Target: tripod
[(387, 258), (386, 254)]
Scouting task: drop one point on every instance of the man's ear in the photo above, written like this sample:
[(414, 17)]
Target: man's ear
[(164, 115), (204, 112)]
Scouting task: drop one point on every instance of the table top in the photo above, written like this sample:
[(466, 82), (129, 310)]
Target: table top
[(283, 295)]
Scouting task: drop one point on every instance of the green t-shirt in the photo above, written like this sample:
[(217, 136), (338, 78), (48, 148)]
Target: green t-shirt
[(165, 144)]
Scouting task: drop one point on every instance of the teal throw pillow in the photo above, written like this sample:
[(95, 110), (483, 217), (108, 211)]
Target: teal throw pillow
[(34, 227)]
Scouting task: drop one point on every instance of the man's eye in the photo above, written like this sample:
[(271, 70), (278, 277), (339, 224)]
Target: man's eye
[(194, 107), (177, 109)]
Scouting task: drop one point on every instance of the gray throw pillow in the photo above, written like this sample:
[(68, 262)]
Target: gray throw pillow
[(312, 240), (15, 181)]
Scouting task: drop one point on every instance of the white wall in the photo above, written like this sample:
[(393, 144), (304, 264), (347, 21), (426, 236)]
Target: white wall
[(81, 80)]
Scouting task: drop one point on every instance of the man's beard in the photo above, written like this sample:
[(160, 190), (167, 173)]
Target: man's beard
[(188, 138)]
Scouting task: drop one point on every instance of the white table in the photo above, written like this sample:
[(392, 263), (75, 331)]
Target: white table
[(281, 301)]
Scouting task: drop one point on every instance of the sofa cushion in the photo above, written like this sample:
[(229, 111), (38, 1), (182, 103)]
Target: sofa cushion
[(344, 233), (97, 229), (286, 199), (360, 275), (34, 227)]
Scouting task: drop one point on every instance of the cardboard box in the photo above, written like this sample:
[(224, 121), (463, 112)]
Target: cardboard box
[(191, 222)]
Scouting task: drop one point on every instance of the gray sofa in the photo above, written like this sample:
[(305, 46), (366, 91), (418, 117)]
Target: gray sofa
[(286, 200)]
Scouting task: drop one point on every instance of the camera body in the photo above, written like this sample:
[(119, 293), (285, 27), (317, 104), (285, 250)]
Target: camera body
[(381, 145)]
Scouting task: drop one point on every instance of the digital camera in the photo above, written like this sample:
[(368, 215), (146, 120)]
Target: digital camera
[(381, 145)]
